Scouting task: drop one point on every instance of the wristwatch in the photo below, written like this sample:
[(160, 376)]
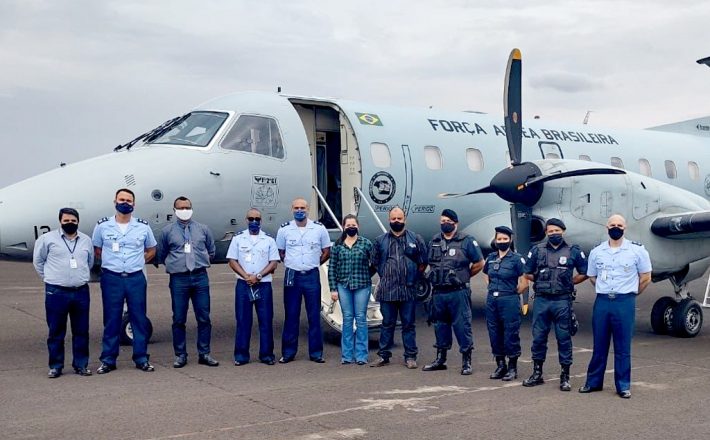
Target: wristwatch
[(258, 276)]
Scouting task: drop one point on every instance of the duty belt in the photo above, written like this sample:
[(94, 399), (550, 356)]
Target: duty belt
[(554, 296), (449, 288)]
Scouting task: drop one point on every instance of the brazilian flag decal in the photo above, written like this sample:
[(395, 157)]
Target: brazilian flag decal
[(369, 119)]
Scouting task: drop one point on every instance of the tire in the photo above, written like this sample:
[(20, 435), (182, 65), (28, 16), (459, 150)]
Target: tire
[(126, 336), (662, 315), (687, 319)]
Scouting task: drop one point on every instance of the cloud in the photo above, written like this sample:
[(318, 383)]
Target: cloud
[(566, 82)]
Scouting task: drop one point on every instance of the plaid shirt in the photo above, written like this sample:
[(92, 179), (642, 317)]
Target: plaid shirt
[(350, 266)]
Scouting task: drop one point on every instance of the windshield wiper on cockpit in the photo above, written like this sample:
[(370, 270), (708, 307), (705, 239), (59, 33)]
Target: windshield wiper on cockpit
[(155, 133)]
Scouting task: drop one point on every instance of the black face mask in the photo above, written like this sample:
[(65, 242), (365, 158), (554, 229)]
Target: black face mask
[(397, 226), (555, 239), (447, 228), (351, 232), (615, 233), (503, 245), (70, 228)]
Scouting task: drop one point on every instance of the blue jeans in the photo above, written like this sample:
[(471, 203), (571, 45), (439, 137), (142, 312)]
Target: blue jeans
[(265, 314), (612, 319), (306, 285), (503, 321), (59, 303), (407, 315), (546, 314), (453, 310), (353, 303), (115, 288), (195, 287)]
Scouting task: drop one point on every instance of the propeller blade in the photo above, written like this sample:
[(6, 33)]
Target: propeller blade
[(585, 172), (513, 117), (521, 220), (484, 190)]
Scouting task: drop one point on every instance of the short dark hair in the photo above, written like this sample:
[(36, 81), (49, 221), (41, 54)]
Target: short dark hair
[(70, 211), (126, 190), (182, 199)]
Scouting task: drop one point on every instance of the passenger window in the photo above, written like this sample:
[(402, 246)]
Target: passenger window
[(255, 134), (474, 159), (616, 162), (693, 170), (645, 167), (585, 157), (671, 171), (380, 155), (432, 157)]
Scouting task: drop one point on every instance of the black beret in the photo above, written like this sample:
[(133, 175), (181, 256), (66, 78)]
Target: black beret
[(504, 230), (450, 213), (555, 222)]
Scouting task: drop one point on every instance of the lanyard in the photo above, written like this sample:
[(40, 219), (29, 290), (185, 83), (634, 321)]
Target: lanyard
[(71, 251)]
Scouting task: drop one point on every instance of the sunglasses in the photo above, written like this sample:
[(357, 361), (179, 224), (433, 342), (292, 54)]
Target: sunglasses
[(254, 219)]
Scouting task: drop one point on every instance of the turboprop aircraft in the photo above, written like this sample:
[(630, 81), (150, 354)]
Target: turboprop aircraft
[(263, 150)]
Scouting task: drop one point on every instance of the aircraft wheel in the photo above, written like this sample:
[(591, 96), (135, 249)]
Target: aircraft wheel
[(687, 318), (662, 315), (126, 336)]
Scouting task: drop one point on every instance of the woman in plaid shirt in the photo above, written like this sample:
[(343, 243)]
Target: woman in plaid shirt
[(349, 277)]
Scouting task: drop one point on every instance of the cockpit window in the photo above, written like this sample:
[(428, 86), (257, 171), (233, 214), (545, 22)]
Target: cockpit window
[(255, 134), (196, 130)]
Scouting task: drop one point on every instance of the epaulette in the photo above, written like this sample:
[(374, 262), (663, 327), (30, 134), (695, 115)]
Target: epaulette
[(239, 233), (318, 223), (285, 224), (636, 243), (105, 219), (140, 220)]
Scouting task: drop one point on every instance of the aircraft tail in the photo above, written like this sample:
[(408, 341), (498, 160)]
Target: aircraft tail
[(696, 127)]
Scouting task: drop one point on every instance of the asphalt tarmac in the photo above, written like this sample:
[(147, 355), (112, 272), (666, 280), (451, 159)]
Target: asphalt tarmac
[(304, 400)]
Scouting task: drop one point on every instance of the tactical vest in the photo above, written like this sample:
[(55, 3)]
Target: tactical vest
[(555, 269), (449, 264)]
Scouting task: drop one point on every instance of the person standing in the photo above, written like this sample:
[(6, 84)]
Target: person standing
[(504, 272), (551, 266), (620, 270), (63, 259), (253, 256), (303, 246), (453, 259), (124, 244), (350, 282), (400, 258), (186, 248)]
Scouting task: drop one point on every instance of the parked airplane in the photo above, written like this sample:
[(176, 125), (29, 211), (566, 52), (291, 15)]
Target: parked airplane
[(265, 149)]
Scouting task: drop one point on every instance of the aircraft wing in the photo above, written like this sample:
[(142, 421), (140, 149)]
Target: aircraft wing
[(681, 226)]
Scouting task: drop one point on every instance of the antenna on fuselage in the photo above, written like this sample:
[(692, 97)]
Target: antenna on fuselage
[(586, 117)]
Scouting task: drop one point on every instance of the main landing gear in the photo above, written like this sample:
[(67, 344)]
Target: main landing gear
[(681, 316)]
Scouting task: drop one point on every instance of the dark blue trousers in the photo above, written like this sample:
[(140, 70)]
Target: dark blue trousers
[(503, 321), (407, 316), (306, 286), (195, 287), (548, 313), (115, 288), (452, 310), (264, 307), (60, 303), (612, 319)]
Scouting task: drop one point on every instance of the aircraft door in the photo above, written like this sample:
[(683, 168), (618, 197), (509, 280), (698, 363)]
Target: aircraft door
[(550, 150)]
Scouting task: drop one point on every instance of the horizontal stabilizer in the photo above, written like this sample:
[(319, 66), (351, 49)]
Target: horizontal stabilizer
[(683, 226), (696, 127)]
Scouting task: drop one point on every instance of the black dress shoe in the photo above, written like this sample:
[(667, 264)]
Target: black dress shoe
[(626, 394), (587, 389), (268, 361), (180, 361), (105, 368), (83, 371), (318, 360), (146, 366), (54, 373), (206, 359), (285, 360)]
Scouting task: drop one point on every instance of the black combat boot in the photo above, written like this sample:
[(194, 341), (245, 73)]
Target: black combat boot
[(536, 378), (439, 363), (466, 369), (512, 369), (564, 379), (501, 370)]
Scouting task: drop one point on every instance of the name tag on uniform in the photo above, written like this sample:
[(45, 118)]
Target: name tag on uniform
[(72, 263), (247, 257), (188, 248), (115, 247), (604, 275)]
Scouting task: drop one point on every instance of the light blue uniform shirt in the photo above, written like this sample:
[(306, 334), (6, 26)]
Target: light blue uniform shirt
[(128, 256), (253, 256), (303, 247), (617, 269), (53, 254)]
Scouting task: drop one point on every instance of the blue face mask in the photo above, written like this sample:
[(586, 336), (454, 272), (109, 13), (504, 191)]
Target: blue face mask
[(124, 208), (254, 227), (299, 216)]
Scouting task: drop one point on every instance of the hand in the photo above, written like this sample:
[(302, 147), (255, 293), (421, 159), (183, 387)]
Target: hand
[(334, 295), (251, 279)]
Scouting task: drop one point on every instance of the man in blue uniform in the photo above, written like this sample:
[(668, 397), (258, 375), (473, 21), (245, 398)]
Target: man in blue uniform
[(124, 244), (253, 256), (63, 258), (620, 269), (186, 247), (303, 246), (453, 259), (551, 266)]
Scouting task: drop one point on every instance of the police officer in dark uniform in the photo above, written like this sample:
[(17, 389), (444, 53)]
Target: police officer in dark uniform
[(504, 272), (551, 266), (450, 260)]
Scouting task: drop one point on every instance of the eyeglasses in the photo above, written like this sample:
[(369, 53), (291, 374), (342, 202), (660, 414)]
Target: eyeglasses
[(254, 219)]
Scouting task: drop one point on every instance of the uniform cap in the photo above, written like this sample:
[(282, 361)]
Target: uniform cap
[(504, 230), (450, 213), (555, 222)]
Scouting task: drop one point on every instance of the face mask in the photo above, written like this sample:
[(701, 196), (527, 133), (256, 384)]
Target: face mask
[(183, 214), (503, 245), (299, 216), (124, 208), (351, 232), (70, 228), (555, 239), (397, 226), (616, 233), (254, 227), (447, 228)]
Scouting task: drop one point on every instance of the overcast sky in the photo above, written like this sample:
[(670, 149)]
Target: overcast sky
[(79, 77)]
